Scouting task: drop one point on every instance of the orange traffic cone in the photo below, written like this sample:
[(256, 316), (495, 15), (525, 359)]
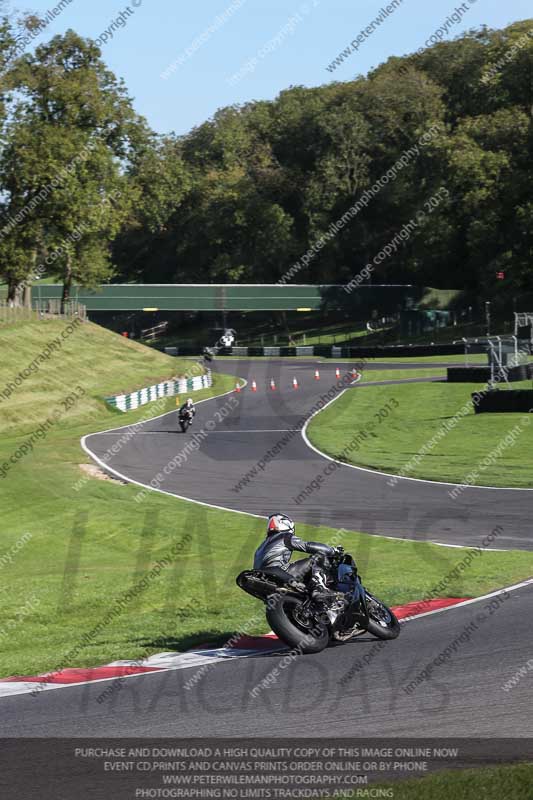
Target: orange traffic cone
[(355, 374), (317, 375), (337, 373), (254, 386), (237, 387), (294, 383), (273, 385)]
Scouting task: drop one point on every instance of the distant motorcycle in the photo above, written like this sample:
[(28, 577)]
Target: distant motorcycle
[(185, 420), (310, 625)]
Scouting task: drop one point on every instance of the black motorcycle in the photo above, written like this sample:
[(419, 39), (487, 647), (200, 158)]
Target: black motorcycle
[(185, 420), (309, 624)]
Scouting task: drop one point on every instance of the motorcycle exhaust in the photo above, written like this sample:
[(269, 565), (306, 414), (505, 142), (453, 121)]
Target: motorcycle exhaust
[(262, 585)]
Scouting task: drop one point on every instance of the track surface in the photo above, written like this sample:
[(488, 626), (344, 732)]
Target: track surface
[(463, 697), (308, 696), (354, 499)]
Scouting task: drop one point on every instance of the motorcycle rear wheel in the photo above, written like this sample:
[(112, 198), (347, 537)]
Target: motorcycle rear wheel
[(291, 627)]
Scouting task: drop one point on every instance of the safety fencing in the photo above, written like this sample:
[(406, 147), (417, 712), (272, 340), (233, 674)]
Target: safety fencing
[(51, 309), (171, 388), (324, 351)]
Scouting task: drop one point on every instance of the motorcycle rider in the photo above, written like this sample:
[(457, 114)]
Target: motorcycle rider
[(187, 409), (274, 554)]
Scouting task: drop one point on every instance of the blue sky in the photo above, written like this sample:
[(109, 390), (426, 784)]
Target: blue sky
[(292, 42)]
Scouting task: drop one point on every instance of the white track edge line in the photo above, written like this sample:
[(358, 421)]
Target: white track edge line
[(224, 508), (107, 468), (257, 516), (217, 660), (471, 600), (390, 474)]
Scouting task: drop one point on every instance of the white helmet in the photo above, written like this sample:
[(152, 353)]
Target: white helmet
[(279, 523), (189, 401)]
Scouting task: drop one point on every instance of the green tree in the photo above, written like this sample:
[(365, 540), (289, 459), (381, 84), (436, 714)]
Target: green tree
[(73, 130)]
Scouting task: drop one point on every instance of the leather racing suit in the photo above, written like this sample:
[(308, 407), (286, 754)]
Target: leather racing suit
[(275, 552)]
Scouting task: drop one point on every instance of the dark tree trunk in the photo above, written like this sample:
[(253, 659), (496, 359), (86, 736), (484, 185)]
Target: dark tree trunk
[(67, 285), (13, 292)]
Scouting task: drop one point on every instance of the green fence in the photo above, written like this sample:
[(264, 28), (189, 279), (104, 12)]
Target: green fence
[(232, 297)]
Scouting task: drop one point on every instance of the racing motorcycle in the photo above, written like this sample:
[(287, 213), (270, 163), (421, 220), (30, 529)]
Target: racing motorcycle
[(185, 419), (310, 625)]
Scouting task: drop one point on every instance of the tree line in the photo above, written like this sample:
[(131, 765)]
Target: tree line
[(315, 186)]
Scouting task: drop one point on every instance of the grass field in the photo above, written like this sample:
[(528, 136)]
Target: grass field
[(416, 413), (495, 783), (70, 547), (102, 362)]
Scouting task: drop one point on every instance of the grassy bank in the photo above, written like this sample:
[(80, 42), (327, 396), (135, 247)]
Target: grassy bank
[(83, 354), (417, 413)]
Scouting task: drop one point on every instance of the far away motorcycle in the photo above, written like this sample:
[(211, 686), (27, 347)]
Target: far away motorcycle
[(185, 420), (310, 625)]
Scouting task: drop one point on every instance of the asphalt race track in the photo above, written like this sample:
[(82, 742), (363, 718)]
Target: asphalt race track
[(354, 499), (464, 697), (333, 693)]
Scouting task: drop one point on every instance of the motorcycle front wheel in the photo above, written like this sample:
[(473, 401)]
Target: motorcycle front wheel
[(382, 621), (294, 627)]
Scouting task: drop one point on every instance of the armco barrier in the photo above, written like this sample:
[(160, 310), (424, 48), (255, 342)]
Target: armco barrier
[(505, 400), (328, 351), (127, 402)]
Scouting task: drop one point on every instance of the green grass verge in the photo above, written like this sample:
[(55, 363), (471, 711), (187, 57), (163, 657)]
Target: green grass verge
[(91, 546), (102, 362), (392, 444), (494, 783), (87, 542), (402, 374)]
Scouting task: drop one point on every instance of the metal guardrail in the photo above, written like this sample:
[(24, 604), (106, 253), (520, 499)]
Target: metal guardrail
[(150, 334)]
